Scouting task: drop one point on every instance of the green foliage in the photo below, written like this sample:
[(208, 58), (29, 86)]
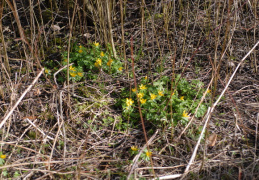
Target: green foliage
[(91, 60), (153, 98)]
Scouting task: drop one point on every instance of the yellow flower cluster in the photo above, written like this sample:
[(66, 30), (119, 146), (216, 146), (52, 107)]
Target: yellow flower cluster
[(109, 62), (143, 101), (142, 87), (140, 95), (149, 154), (129, 102), (153, 96), (80, 49), (73, 72), (160, 93), (185, 114), (96, 44), (134, 148), (98, 62)]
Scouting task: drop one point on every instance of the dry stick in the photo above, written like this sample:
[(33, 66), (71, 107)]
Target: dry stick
[(22, 96), (256, 129), (68, 52), (42, 132), (122, 36), (210, 110), (110, 29), (139, 108)]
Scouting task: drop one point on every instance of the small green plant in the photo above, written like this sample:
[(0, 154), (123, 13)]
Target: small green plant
[(154, 99), (146, 155), (90, 61)]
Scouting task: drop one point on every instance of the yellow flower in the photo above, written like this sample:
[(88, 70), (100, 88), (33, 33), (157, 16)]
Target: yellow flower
[(80, 47), (73, 74), (134, 148), (102, 54), (65, 61), (3, 156), (160, 93), (80, 51), (133, 89), (71, 68), (96, 44), (143, 101), (120, 68), (98, 62), (129, 101), (47, 71), (153, 96), (208, 91), (80, 74), (140, 95), (142, 87), (149, 154), (182, 98), (145, 77), (185, 114), (109, 62)]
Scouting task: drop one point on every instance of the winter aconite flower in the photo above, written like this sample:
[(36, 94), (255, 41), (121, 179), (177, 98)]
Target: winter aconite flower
[(71, 68), (80, 47), (149, 154), (129, 101), (153, 96), (134, 148), (72, 74), (120, 68), (182, 98), (145, 77), (140, 95), (133, 89), (98, 62), (102, 54), (142, 87), (96, 44), (208, 91), (47, 71), (80, 74), (160, 93), (109, 62), (185, 114), (80, 51), (3, 156), (142, 101)]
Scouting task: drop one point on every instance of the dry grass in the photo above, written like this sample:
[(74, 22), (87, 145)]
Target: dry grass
[(76, 131)]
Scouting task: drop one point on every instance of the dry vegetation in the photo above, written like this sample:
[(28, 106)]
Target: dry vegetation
[(64, 129)]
